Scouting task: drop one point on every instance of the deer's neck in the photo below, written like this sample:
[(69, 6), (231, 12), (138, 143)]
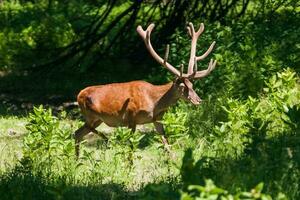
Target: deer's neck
[(168, 96)]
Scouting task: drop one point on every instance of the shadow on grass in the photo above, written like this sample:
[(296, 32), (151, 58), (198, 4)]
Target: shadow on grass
[(23, 184)]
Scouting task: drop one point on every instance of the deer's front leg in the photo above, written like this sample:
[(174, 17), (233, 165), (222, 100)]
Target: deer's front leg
[(132, 127), (160, 129)]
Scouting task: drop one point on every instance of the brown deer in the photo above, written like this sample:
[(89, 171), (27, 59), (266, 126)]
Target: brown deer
[(138, 102)]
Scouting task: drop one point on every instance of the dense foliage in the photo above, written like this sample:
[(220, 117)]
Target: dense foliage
[(45, 34)]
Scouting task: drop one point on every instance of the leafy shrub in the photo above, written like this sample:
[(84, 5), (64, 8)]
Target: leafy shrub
[(267, 115), (254, 140), (127, 143), (211, 191), (46, 142), (175, 124)]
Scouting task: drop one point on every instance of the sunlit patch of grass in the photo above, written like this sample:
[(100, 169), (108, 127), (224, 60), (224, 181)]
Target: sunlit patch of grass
[(10, 126), (12, 129)]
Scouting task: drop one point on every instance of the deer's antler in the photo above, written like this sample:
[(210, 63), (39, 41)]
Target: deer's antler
[(145, 35), (192, 67)]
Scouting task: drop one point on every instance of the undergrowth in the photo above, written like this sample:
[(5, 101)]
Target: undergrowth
[(254, 142)]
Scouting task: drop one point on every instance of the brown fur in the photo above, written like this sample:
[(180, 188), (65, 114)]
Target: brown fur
[(121, 104)]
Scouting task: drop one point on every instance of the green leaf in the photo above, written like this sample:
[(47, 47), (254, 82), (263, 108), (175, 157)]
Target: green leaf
[(259, 187)]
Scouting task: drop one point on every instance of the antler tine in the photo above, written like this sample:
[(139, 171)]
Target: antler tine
[(192, 75), (194, 35), (148, 36), (195, 66), (191, 29), (145, 35), (207, 52), (181, 70), (203, 73), (167, 53), (200, 30)]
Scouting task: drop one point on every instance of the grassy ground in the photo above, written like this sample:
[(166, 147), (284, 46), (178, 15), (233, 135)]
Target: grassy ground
[(12, 130), (114, 170)]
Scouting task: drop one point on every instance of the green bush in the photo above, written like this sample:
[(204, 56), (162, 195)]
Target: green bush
[(211, 192), (267, 115), (126, 143), (175, 125), (47, 141), (253, 139)]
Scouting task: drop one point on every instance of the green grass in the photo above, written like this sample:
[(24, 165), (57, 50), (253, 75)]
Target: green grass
[(111, 170), (108, 167), (12, 130), (107, 170)]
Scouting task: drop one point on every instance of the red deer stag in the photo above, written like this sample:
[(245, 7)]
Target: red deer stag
[(139, 102)]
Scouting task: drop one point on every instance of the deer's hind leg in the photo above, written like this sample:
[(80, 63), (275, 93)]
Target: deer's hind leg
[(89, 126), (160, 129)]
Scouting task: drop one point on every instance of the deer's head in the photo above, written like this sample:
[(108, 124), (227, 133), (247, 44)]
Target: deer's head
[(185, 90), (183, 81)]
